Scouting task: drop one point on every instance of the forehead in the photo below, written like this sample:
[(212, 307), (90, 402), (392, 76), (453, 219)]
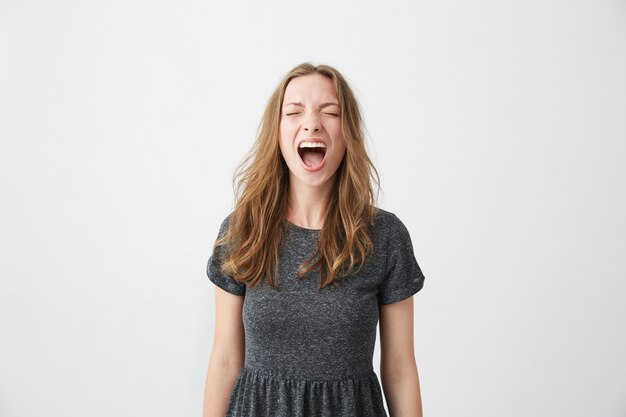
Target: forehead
[(310, 87)]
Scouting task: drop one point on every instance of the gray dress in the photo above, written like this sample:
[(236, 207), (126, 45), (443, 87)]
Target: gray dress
[(308, 352)]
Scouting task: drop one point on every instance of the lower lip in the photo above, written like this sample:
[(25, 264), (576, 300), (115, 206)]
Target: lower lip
[(313, 169)]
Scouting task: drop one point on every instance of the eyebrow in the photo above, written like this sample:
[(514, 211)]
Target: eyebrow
[(321, 105)]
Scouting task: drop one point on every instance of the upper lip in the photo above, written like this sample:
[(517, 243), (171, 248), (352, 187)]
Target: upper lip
[(312, 140)]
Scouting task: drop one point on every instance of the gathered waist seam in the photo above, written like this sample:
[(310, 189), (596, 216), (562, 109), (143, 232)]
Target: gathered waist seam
[(287, 376)]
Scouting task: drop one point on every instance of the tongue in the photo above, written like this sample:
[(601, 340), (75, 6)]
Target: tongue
[(312, 158)]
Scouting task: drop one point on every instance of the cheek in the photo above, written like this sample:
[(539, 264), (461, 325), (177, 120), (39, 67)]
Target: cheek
[(286, 130), (342, 151), (334, 128), (282, 133), (336, 133), (284, 147), (285, 142), (343, 148)]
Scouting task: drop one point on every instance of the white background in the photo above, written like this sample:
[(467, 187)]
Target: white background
[(498, 129)]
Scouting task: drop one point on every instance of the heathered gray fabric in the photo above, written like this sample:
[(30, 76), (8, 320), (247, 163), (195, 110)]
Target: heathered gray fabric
[(308, 352)]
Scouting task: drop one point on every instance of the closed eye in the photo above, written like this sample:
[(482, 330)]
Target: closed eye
[(329, 114)]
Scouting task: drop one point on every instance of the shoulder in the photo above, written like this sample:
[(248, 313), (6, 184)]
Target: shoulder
[(388, 223), (219, 246), (391, 235), (224, 224)]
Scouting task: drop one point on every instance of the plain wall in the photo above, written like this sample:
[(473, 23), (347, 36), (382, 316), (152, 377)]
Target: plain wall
[(498, 130)]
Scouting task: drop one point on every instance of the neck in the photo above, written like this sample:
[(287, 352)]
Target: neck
[(307, 203)]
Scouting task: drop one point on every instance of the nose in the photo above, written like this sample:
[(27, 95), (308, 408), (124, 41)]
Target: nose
[(312, 123)]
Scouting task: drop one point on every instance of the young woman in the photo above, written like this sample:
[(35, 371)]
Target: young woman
[(305, 267)]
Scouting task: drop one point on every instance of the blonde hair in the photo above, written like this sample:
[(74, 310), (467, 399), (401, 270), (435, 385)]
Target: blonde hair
[(261, 185)]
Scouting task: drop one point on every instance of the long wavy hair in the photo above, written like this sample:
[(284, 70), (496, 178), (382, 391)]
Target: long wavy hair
[(261, 184)]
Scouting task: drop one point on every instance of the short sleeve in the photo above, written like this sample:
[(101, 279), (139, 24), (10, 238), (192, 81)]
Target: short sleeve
[(403, 275), (213, 269)]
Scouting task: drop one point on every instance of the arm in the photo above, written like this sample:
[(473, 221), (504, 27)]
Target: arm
[(398, 370), (227, 355)]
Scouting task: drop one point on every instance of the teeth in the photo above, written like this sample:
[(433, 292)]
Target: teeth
[(312, 145)]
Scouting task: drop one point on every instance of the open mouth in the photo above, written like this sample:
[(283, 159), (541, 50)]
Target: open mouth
[(312, 153)]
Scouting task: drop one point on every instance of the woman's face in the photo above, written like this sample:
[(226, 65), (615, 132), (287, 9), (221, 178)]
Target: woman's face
[(311, 140)]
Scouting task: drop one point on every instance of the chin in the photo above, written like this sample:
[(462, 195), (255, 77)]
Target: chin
[(314, 182)]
